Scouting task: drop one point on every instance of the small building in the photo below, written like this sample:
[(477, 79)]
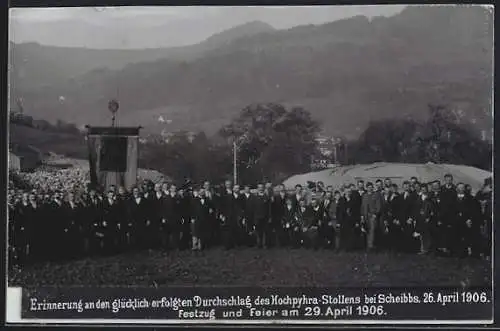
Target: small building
[(14, 162), (29, 157)]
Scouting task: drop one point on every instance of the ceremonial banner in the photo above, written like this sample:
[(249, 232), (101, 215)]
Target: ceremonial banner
[(113, 154)]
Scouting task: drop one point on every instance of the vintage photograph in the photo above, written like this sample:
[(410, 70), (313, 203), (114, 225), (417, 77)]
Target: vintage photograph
[(251, 146)]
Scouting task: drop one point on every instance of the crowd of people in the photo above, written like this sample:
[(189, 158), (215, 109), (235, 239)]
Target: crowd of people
[(424, 218), (64, 180)]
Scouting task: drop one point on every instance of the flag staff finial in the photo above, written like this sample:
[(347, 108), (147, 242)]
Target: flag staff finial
[(113, 106)]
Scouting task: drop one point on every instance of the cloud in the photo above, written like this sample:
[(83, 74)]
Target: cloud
[(163, 26), (103, 14)]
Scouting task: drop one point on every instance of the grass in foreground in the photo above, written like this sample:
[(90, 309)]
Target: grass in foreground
[(253, 267)]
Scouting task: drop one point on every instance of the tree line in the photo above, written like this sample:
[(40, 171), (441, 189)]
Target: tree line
[(442, 138), (274, 142)]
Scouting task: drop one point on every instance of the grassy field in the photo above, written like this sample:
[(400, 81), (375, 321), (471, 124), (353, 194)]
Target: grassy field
[(259, 267)]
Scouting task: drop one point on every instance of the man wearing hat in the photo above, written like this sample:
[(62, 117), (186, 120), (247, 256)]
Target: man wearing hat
[(484, 198)]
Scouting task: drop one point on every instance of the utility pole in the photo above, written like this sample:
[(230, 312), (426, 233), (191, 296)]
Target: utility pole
[(235, 160)]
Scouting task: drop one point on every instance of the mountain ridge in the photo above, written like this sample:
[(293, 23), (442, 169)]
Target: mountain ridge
[(346, 72)]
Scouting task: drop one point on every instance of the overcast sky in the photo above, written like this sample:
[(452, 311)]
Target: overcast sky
[(149, 27)]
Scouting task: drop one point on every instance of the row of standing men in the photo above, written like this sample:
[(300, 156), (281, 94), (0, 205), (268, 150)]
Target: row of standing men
[(421, 218)]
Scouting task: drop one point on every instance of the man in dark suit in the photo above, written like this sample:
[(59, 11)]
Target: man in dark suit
[(299, 195), (448, 215), (56, 226), (214, 231), (484, 198), (395, 219), (383, 237), (159, 216), (247, 222), (467, 226), (308, 225), (268, 189), (171, 224), (320, 221), (73, 228), (201, 214), (110, 227), (238, 213), (140, 230), (148, 196), (370, 207), (342, 230), (291, 228), (185, 198), (122, 199), (278, 205), (12, 234), (23, 227), (423, 216), (413, 183), (361, 189), (224, 211), (93, 219), (436, 226), (261, 216), (407, 217), (228, 220), (353, 201)]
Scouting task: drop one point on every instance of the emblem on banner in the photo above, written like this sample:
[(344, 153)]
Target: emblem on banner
[(113, 106)]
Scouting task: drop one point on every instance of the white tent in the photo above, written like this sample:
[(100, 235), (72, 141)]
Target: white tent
[(397, 172)]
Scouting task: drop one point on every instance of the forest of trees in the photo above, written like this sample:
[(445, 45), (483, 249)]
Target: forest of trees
[(439, 139)]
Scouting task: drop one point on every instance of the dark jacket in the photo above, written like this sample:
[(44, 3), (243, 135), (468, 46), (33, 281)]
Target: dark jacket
[(201, 214)]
